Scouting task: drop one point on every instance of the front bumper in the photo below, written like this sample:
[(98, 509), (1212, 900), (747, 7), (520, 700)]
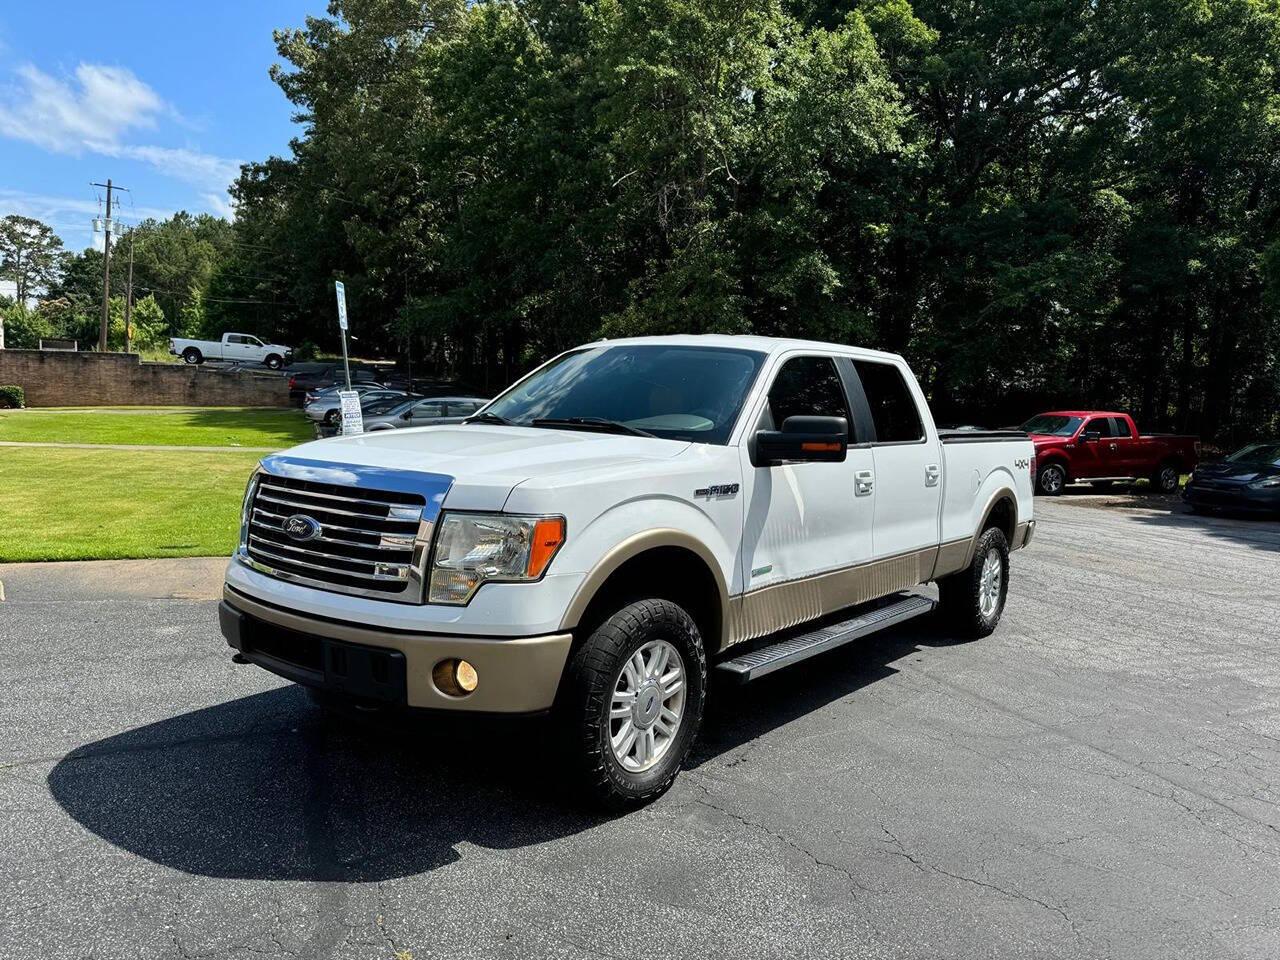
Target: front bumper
[(517, 675), (1233, 498)]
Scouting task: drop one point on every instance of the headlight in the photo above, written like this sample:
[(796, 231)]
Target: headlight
[(472, 549), (246, 505), (1269, 482)]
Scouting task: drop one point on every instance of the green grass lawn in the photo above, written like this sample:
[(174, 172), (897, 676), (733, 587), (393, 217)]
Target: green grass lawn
[(205, 427), (98, 505)]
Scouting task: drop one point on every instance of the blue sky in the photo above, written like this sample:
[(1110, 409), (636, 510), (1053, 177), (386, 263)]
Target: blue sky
[(166, 97)]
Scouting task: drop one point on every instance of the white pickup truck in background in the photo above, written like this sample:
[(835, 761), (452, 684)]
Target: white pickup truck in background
[(233, 346), (626, 517)]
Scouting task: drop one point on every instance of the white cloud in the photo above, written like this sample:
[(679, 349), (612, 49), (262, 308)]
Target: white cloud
[(95, 112), (220, 205)]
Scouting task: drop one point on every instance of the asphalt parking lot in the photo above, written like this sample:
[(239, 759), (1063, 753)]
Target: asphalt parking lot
[(1100, 778)]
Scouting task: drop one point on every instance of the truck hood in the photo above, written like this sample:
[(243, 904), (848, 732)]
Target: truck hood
[(1044, 439), (486, 461)]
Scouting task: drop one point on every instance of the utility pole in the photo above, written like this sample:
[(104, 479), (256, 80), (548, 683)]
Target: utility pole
[(128, 299), (106, 269)]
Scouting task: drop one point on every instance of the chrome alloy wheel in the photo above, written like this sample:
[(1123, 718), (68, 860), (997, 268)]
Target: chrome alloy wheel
[(1053, 479), (647, 706), (990, 584)]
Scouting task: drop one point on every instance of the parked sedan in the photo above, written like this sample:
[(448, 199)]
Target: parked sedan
[(328, 408), (422, 413), (1248, 480), (331, 392)]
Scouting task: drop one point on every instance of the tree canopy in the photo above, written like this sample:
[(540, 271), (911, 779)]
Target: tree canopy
[(1040, 203)]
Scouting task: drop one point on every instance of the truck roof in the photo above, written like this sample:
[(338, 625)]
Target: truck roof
[(751, 342), (1083, 413)]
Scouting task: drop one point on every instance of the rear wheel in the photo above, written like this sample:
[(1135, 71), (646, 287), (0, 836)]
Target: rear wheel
[(1166, 478), (633, 701), (192, 355), (1051, 478), (972, 601)]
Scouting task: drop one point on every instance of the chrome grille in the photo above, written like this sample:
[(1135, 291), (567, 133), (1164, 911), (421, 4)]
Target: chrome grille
[(368, 542)]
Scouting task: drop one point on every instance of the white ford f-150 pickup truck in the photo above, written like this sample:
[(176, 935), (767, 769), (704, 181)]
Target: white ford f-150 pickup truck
[(232, 346), (628, 516)]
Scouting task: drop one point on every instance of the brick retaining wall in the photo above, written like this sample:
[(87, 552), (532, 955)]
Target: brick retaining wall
[(122, 379)]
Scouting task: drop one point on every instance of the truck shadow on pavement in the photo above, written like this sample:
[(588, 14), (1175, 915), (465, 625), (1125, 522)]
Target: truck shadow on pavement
[(269, 787)]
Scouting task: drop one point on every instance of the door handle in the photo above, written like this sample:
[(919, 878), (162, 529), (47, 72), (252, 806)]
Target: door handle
[(931, 474), (863, 483), (1112, 448)]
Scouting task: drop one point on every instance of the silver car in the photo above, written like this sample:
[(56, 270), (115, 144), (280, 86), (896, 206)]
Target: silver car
[(420, 412), (328, 409)]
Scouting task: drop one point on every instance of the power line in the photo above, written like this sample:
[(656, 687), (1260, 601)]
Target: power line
[(174, 293)]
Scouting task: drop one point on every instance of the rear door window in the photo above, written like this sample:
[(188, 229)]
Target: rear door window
[(1120, 427), (893, 408)]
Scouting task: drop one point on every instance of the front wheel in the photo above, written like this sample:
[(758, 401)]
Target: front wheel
[(633, 702), (1166, 478), (973, 599), (274, 362), (331, 418), (1051, 478)]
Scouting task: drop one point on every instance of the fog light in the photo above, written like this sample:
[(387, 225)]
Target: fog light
[(456, 678), (465, 674)]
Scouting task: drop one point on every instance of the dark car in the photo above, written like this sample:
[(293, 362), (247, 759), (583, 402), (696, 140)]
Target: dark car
[(1248, 481), (308, 377)]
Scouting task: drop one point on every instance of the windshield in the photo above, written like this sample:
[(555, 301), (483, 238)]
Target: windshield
[(1052, 424), (1268, 453), (674, 392)]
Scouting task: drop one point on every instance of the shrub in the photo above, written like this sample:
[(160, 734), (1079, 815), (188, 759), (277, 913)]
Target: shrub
[(12, 396)]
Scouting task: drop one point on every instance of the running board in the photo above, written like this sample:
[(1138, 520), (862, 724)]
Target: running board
[(793, 649)]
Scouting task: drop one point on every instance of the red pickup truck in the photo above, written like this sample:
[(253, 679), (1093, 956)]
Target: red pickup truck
[(1101, 446)]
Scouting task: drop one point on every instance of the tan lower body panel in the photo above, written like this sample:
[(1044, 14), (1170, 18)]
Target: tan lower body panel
[(784, 605), (517, 675)]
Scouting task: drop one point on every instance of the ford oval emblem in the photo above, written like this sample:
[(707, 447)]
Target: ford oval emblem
[(301, 527)]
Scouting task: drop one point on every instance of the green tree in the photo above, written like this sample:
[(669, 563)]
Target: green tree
[(31, 255)]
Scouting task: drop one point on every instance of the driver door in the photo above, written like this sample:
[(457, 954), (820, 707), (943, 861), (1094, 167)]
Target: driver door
[(803, 521), (1093, 457)]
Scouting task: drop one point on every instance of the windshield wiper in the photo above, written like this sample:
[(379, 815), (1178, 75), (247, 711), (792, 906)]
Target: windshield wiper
[(594, 423), (490, 418)]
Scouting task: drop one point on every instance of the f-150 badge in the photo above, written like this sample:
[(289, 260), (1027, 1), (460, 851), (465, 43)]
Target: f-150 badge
[(718, 490)]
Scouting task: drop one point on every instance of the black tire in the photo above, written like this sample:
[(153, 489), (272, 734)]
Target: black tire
[(1051, 478), (961, 594), (331, 417), (192, 355), (274, 362), (1166, 478), (587, 695)]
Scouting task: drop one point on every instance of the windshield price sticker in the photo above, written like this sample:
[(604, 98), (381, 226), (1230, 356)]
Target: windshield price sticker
[(352, 418)]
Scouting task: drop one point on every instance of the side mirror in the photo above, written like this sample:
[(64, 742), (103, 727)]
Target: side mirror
[(805, 440), (407, 415), (1091, 436)]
